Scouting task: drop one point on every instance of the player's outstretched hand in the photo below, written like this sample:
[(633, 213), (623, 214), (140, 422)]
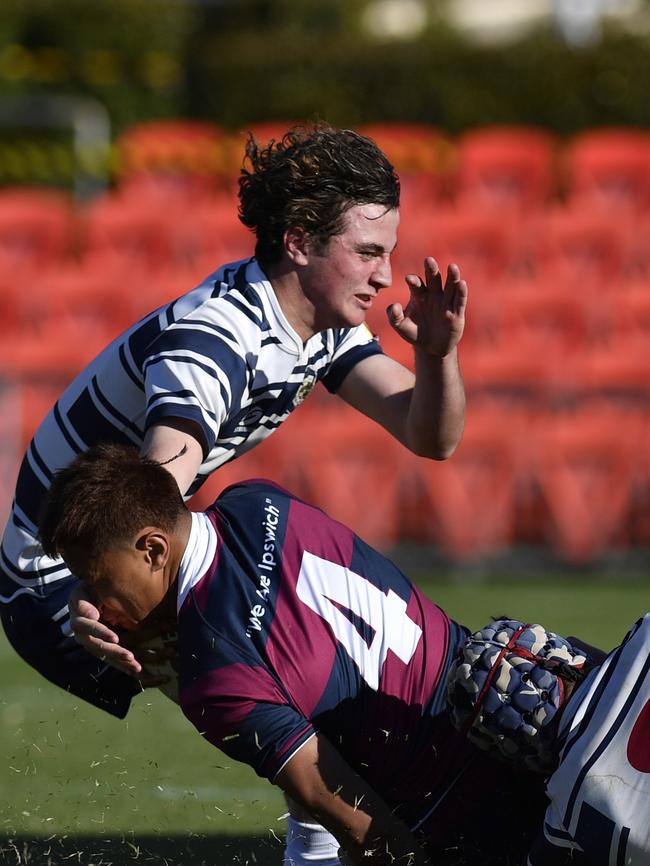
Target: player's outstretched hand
[(96, 637), (434, 318)]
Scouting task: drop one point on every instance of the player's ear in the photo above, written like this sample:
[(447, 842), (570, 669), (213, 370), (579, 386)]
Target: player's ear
[(296, 244), (154, 544)]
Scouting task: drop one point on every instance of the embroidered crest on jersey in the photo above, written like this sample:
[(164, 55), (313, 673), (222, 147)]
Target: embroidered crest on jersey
[(305, 389)]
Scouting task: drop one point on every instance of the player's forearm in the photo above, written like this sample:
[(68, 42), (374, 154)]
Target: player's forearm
[(369, 834), (175, 444), (391, 845), (326, 787), (436, 414)]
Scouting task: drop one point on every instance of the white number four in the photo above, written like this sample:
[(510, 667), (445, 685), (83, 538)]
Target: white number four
[(323, 584)]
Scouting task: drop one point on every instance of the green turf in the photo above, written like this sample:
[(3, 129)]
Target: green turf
[(69, 769)]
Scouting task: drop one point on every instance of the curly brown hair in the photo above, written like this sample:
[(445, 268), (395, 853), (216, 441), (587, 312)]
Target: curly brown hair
[(309, 179), (105, 496)]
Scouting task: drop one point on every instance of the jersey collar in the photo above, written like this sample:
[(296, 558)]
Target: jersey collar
[(279, 323), (198, 556)]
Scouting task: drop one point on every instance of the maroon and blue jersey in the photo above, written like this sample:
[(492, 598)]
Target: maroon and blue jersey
[(297, 626)]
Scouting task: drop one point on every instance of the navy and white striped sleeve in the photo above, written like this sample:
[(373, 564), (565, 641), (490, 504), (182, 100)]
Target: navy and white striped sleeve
[(197, 369), (355, 345), (553, 843)]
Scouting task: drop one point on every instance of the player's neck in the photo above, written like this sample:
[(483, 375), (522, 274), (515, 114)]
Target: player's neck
[(166, 612), (292, 300), (178, 543)]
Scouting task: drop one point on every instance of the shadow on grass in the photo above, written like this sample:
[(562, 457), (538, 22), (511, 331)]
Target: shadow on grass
[(129, 850)]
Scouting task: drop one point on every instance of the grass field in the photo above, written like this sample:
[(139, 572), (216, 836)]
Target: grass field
[(78, 786)]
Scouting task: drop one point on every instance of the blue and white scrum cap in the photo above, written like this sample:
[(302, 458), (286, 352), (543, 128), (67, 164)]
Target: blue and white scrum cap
[(505, 689)]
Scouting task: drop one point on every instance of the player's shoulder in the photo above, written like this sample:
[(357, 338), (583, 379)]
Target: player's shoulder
[(253, 489), (246, 505), (229, 297)]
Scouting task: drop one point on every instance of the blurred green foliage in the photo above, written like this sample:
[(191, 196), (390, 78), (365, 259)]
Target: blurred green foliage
[(253, 60), (125, 53)]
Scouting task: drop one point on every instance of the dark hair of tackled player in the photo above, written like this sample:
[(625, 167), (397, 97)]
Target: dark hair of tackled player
[(310, 179), (110, 493)]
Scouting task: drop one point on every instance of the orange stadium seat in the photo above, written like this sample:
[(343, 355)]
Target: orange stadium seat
[(37, 396), (36, 229), (420, 153), (640, 520), (629, 313), (212, 232), (41, 365), (489, 303), (169, 160), (531, 310), (416, 240), (10, 294), (638, 269), (505, 167), (119, 233), (86, 300), (577, 244), (150, 291), (55, 351), (484, 247), (585, 468), (618, 371), (350, 467), (467, 505), (509, 376), (546, 320), (608, 169)]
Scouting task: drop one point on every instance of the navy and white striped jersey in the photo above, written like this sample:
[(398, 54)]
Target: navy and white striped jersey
[(600, 793), (223, 355)]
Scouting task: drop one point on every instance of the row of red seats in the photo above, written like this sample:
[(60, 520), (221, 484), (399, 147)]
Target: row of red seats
[(556, 311), (493, 166), (504, 382), (534, 344), (576, 482), (40, 229)]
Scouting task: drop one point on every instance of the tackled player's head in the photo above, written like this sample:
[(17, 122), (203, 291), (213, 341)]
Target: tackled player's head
[(103, 497), (116, 519), (507, 686), (309, 180)]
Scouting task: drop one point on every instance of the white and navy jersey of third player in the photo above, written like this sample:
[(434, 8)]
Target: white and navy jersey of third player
[(293, 625), (222, 355), (600, 793)]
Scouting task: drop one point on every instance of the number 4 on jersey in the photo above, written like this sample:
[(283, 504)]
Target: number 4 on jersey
[(326, 587)]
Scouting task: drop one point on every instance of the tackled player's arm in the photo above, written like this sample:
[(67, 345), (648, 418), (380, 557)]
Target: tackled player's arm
[(323, 783), (178, 445)]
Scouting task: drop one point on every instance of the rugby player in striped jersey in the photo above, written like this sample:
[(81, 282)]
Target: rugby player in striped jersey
[(213, 373)]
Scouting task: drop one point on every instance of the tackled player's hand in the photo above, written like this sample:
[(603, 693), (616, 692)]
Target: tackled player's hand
[(96, 637), (149, 654), (156, 650)]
